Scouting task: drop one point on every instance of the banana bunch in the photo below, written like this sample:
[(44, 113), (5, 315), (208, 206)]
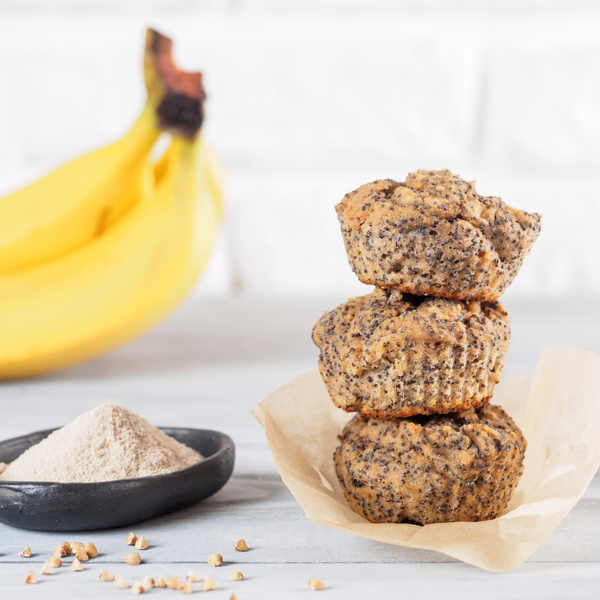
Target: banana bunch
[(100, 250)]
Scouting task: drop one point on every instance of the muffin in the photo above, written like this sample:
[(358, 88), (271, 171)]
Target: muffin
[(436, 469), (435, 235), (389, 354)]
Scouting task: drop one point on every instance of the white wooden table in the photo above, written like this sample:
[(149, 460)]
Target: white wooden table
[(206, 367)]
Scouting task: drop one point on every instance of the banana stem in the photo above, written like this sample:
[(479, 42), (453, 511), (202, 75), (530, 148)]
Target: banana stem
[(177, 96)]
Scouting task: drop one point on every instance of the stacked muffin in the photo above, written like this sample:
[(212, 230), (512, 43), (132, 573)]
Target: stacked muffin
[(419, 357)]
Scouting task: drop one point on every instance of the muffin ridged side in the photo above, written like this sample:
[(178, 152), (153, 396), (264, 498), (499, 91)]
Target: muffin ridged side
[(389, 354), (441, 468)]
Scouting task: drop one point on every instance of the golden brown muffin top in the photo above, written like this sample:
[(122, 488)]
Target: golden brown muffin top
[(367, 328), (428, 197)]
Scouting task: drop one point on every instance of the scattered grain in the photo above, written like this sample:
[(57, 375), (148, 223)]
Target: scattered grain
[(26, 553), (241, 546), (30, 577), (216, 560), (208, 584), (133, 558), (55, 561), (131, 539), (76, 565), (315, 583), (90, 550), (47, 569), (236, 575), (121, 582), (81, 554), (141, 543), (186, 587), (106, 575), (193, 576)]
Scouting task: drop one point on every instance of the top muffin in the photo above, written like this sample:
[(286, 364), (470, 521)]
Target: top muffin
[(435, 235)]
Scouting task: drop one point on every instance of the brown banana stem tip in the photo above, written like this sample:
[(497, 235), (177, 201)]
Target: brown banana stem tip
[(178, 96)]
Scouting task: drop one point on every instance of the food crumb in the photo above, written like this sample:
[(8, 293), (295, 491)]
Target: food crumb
[(133, 558), (137, 588), (30, 577), (315, 583), (106, 575), (47, 569), (76, 565), (141, 543), (186, 587), (209, 584)]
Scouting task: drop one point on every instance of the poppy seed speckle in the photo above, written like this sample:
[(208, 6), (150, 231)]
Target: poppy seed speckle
[(435, 235), (389, 354), (459, 467)]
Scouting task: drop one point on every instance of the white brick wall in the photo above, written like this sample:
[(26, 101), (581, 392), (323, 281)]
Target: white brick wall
[(310, 99)]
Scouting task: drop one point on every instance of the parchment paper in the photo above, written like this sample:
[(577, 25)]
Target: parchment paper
[(558, 409)]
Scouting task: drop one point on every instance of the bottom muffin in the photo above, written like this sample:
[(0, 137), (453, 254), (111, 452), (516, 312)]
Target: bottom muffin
[(431, 469)]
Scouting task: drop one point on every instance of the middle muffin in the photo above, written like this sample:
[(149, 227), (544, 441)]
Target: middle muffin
[(389, 354)]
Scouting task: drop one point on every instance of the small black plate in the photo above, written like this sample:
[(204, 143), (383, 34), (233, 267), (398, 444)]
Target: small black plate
[(47, 506)]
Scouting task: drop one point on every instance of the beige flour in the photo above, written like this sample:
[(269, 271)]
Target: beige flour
[(103, 444)]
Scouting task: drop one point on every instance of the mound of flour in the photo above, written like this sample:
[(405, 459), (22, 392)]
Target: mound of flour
[(103, 444)]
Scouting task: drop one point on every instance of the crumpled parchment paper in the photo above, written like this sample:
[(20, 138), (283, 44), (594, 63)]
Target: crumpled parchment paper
[(558, 409)]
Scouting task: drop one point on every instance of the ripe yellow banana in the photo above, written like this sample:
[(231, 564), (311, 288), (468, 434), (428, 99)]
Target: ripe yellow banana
[(103, 288), (79, 200), (112, 289)]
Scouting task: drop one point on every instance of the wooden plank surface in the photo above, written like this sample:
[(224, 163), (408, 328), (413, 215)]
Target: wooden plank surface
[(352, 582), (207, 367)]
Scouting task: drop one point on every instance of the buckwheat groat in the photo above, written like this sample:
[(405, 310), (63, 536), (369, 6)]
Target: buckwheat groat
[(458, 467), (435, 235), (390, 354)]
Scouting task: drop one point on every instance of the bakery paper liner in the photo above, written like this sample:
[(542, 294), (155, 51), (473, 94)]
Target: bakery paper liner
[(558, 409)]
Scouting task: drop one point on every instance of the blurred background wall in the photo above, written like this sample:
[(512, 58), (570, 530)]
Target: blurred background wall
[(308, 99)]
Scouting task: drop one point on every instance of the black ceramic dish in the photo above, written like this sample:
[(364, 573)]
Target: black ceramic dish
[(47, 506)]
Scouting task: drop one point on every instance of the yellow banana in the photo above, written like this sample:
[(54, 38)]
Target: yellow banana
[(115, 287), (63, 301), (77, 202), (210, 167)]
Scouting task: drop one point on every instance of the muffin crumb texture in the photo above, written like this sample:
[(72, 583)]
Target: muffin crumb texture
[(435, 235), (389, 354), (436, 469)]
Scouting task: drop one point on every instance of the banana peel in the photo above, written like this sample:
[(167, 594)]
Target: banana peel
[(114, 285), (80, 200)]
